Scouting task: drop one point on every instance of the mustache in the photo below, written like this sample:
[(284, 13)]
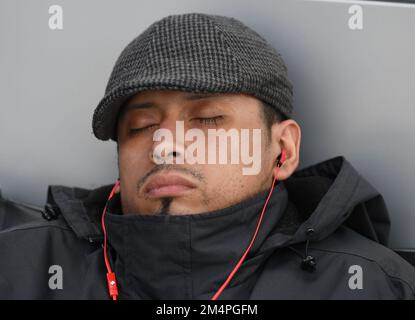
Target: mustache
[(170, 167)]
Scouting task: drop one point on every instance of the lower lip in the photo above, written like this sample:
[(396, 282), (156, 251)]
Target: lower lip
[(170, 190)]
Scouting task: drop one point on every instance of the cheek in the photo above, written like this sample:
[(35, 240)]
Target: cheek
[(228, 186), (227, 181), (133, 161)]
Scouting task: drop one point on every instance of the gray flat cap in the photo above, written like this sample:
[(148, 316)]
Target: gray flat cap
[(195, 52)]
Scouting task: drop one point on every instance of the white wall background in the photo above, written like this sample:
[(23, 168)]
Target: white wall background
[(354, 90)]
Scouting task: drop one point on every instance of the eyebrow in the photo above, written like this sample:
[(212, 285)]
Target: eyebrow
[(198, 96), (150, 104)]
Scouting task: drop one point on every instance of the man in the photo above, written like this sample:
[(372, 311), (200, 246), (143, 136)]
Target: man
[(181, 229)]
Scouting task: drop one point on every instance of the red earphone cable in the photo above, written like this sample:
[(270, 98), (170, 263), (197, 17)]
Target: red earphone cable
[(241, 260), (111, 279)]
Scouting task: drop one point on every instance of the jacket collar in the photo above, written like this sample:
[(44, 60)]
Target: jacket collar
[(193, 254)]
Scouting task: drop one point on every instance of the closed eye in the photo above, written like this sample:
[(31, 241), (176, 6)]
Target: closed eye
[(211, 120), (139, 130)]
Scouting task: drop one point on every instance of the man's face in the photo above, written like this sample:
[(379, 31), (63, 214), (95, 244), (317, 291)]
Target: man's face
[(149, 187)]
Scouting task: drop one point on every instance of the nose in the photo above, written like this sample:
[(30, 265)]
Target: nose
[(168, 144), (158, 156)]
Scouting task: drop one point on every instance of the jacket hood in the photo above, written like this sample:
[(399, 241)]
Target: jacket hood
[(321, 197), (194, 253)]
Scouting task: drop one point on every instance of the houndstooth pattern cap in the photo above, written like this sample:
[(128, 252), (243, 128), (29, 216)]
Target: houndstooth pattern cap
[(195, 52)]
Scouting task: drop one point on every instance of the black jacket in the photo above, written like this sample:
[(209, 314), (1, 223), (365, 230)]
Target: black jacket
[(323, 236)]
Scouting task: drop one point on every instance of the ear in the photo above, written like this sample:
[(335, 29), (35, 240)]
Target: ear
[(286, 135)]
